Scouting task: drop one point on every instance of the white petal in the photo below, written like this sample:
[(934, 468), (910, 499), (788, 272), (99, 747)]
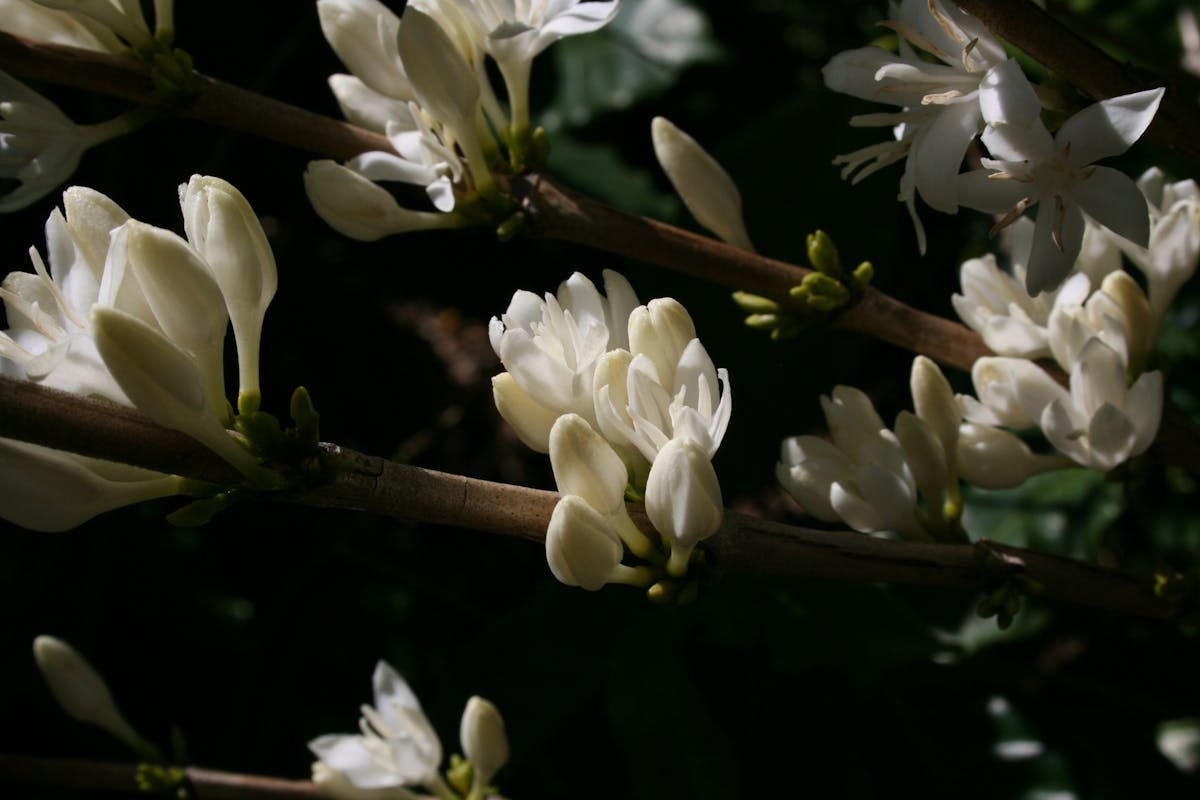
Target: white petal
[(586, 465), (531, 420), (1108, 128), (1048, 265), (1005, 95), (1112, 199)]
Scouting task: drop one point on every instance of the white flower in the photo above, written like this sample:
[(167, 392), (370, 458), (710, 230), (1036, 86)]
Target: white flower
[(550, 347), (1102, 423), (991, 458), (665, 387), (514, 32), (939, 114), (582, 547), (397, 745), (1029, 166), (121, 18), (484, 742), (51, 490), (862, 477), (703, 185), (1118, 314), (31, 20), (39, 145), (1170, 259), (80, 690), (360, 209), (332, 783), (225, 232), (683, 499)]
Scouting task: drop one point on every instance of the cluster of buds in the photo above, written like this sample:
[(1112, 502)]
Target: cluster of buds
[(398, 747), (628, 403), (422, 80), (136, 315)]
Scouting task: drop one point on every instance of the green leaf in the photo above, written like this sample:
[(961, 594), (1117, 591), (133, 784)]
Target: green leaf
[(642, 52)]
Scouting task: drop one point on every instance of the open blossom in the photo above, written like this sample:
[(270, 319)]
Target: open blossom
[(107, 25), (1029, 166), (939, 111), (550, 347), (397, 745), (871, 477)]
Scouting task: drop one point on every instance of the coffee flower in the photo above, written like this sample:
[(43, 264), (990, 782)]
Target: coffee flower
[(1029, 166), (109, 25), (399, 748), (550, 346), (939, 113)]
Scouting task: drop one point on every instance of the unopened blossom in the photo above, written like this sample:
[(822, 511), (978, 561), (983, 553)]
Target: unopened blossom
[(582, 547), (993, 458), (703, 184), (1117, 313), (80, 690), (44, 489), (1103, 421), (122, 19), (226, 233), (484, 742), (32, 20), (1169, 260), (356, 207), (1030, 167), (550, 347), (939, 113), (39, 145), (397, 745), (664, 387), (683, 499)]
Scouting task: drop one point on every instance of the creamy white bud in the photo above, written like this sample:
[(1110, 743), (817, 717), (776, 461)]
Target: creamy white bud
[(991, 458), (582, 546), (531, 420), (703, 185), (484, 742), (354, 206), (586, 465), (80, 690), (683, 499)]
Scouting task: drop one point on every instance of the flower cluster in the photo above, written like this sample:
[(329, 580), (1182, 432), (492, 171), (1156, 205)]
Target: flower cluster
[(422, 80), (398, 748), (626, 400), (976, 91), (136, 315), (107, 26)]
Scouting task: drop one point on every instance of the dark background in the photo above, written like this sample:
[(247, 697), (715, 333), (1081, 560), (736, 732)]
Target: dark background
[(260, 631)]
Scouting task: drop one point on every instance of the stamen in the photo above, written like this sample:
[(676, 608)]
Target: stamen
[(68, 310), (42, 322), (1012, 215), (966, 56), (915, 37), (940, 98), (945, 24)]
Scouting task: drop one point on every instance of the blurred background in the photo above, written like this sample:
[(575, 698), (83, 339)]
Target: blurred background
[(260, 631)]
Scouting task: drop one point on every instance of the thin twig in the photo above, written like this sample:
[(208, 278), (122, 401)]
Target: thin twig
[(1062, 50), (743, 545), (110, 776)]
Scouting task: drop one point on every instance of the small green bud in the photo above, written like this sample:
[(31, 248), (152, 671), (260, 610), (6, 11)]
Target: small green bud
[(306, 419), (200, 512), (537, 152), (823, 254), (755, 304), (662, 593), (510, 227), (763, 322), (864, 273), (460, 773), (249, 402)]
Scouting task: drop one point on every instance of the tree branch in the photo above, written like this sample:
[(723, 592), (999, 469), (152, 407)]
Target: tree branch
[(110, 776), (1062, 50), (743, 545)]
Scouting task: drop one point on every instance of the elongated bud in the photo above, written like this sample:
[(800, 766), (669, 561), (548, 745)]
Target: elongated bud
[(991, 458), (935, 404), (360, 209), (223, 228), (683, 499), (582, 547), (484, 742), (703, 184), (661, 330), (586, 465), (531, 420), (80, 690), (442, 80)]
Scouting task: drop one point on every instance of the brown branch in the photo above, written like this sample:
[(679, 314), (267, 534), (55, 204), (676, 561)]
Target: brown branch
[(110, 776), (743, 545), (557, 213), (215, 102), (1062, 50)]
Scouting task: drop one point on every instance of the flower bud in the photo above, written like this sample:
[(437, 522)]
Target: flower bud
[(586, 465), (531, 420), (991, 458), (442, 81), (683, 499), (582, 547), (363, 35), (484, 742), (80, 690), (223, 228), (661, 330), (50, 490), (360, 209), (703, 185)]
